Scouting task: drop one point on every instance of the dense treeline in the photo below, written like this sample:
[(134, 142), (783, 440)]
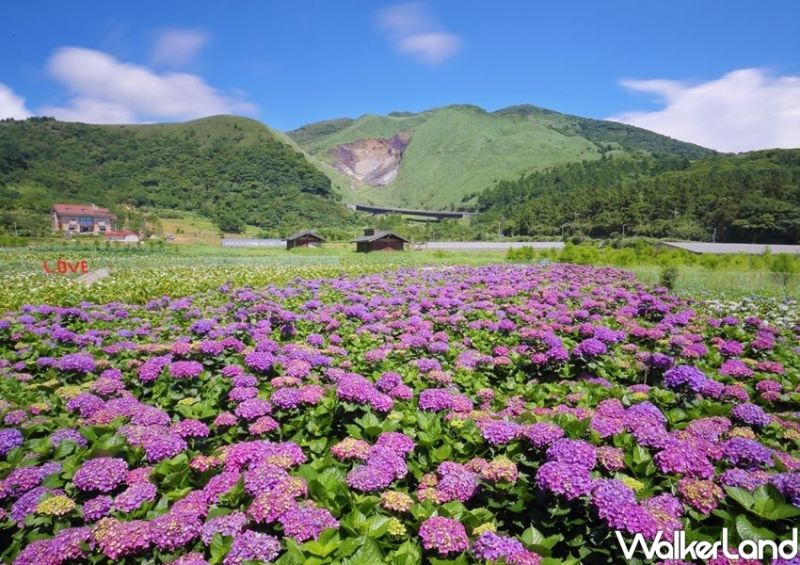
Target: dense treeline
[(232, 170), (752, 197)]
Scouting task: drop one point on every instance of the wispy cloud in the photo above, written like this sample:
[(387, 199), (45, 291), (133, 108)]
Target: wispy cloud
[(743, 110), (106, 90), (177, 47), (12, 105), (414, 31)]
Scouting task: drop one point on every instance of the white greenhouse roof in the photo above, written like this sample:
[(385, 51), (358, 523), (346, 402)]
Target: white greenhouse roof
[(746, 248)]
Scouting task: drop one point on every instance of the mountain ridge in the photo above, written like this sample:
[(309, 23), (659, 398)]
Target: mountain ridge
[(459, 150), (233, 170)]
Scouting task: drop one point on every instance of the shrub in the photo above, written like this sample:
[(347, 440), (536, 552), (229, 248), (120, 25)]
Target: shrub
[(668, 277)]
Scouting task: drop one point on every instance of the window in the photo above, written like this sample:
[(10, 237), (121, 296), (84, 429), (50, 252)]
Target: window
[(86, 223)]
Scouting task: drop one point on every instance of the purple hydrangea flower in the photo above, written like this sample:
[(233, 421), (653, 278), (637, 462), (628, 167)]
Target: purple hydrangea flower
[(443, 535), (185, 369), (566, 479), (102, 474), (684, 376), (252, 546), (307, 521), (590, 347), (77, 363), (750, 414), (9, 439)]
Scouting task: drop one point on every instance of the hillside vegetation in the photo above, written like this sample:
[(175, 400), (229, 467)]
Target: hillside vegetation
[(457, 151), (233, 170), (751, 197)]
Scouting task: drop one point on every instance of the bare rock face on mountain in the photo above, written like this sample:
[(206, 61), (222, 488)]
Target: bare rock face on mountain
[(371, 161)]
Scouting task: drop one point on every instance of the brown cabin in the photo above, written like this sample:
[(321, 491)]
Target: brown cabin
[(378, 240), (306, 238)]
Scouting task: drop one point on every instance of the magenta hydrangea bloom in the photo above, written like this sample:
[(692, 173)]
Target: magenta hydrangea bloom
[(252, 546), (190, 428), (77, 363), (573, 451), (543, 434), (499, 432), (748, 453), (117, 539), (490, 546), (566, 479), (684, 376), (443, 535), (102, 474), (750, 414), (97, 507), (9, 439), (589, 348), (134, 497), (259, 361), (227, 525), (185, 369), (306, 521), (174, 529)]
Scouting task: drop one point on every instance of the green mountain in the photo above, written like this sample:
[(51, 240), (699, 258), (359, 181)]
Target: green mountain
[(750, 197), (233, 170), (444, 157)]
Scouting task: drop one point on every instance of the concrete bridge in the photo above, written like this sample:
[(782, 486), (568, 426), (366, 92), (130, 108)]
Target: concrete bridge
[(438, 215)]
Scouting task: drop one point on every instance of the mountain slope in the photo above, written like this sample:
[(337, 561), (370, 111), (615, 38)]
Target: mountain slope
[(453, 152), (231, 169)]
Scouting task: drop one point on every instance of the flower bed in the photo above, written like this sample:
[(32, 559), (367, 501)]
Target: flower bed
[(452, 415)]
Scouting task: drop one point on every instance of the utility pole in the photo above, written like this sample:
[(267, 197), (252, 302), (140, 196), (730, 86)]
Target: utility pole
[(15, 230), (714, 236), (623, 231)]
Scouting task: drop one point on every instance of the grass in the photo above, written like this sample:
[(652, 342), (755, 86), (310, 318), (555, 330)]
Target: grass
[(702, 283), (190, 228), (459, 150), (206, 130), (455, 151)]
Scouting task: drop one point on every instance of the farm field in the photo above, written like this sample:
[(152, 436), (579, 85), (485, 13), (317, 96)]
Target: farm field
[(138, 274), (371, 410)]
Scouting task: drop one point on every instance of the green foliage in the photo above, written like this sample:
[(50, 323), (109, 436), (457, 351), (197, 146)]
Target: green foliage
[(753, 197), (668, 277), (783, 266), (233, 170)]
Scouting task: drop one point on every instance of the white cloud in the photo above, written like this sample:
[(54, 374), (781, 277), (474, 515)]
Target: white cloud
[(414, 31), (743, 110), (106, 90), (11, 105), (177, 47)]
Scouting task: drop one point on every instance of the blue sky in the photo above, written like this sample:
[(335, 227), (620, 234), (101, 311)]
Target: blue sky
[(732, 65)]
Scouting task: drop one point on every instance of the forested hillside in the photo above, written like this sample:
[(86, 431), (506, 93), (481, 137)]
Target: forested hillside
[(751, 197), (232, 170)]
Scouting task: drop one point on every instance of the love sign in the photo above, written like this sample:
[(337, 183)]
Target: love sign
[(63, 267)]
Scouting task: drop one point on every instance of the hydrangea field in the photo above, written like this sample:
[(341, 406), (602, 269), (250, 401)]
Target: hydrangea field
[(495, 414)]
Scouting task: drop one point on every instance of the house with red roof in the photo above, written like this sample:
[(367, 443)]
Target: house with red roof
[(82, 219)]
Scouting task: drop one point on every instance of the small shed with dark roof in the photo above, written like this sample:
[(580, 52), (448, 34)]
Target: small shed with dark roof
[(305, 238), (379, 240)]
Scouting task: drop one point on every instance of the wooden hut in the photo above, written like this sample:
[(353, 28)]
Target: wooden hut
[(305, 238), (379, 240)]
